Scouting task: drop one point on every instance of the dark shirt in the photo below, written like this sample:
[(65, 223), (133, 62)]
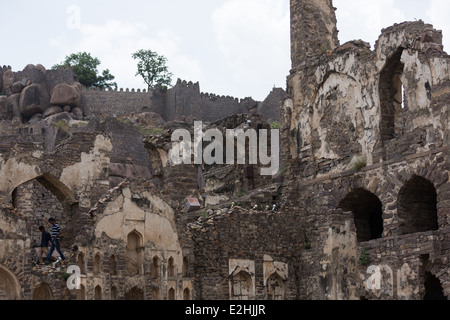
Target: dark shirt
[(46, 237)]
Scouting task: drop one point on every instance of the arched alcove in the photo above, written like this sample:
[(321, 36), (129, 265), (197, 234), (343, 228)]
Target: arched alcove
[(417, 206), (114, 293), (171, 268), (98, 293), (81, 262), (134, 253), (367, 211), (97, 264), (43, 292), (186, 294), (241, 286), (113, 265), (185, 266), (275, 287), (155, 268), (171, 295)]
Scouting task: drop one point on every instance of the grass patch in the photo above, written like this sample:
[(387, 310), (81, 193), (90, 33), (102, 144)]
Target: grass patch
[(358, 163)]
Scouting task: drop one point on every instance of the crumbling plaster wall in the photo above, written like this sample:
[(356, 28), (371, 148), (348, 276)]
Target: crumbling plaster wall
[(335, 110)]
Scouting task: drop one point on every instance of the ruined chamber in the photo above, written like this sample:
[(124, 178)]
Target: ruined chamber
[(366, 136)]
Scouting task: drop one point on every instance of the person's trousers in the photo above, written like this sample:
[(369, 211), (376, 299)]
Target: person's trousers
[(42, 251), (55, 245)]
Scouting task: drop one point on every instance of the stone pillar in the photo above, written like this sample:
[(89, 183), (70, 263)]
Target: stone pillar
[(313, 29)]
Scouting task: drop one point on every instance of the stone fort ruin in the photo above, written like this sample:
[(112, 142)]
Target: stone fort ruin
[(359, 210)]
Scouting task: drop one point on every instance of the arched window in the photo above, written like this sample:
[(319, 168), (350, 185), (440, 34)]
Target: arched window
[(417, 206), (391, 92), (367, 211)]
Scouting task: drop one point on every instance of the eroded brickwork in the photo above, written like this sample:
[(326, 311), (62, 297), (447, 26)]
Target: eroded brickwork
[(359, 209)]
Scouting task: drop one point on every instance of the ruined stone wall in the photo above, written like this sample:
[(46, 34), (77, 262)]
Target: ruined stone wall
[(366, 132), (183, 102), (106, 103), (231, 240)]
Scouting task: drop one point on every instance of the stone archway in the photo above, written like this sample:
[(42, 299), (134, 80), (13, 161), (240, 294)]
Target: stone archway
[(41, 198), (9, 285), (367, 211)]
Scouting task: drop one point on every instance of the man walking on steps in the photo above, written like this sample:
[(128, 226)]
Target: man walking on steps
[(56, 232)]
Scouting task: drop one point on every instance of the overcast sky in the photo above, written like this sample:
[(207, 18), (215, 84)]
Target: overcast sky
[(239, 48)]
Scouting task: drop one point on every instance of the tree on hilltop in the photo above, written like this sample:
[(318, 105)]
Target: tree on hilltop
[(152, 68), (85, 68)]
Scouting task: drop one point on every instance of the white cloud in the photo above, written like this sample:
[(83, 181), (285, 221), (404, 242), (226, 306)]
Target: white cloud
[(438, 13), (114, 42), (364, 19), (253, 37)]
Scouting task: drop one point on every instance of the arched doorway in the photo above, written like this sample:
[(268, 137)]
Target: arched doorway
[(368, 213)]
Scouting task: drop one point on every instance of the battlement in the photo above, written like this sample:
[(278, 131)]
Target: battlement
[(184, 101)]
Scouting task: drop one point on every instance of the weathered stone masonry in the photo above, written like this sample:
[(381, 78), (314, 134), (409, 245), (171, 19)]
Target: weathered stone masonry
[(359, 210), (360, 145)]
